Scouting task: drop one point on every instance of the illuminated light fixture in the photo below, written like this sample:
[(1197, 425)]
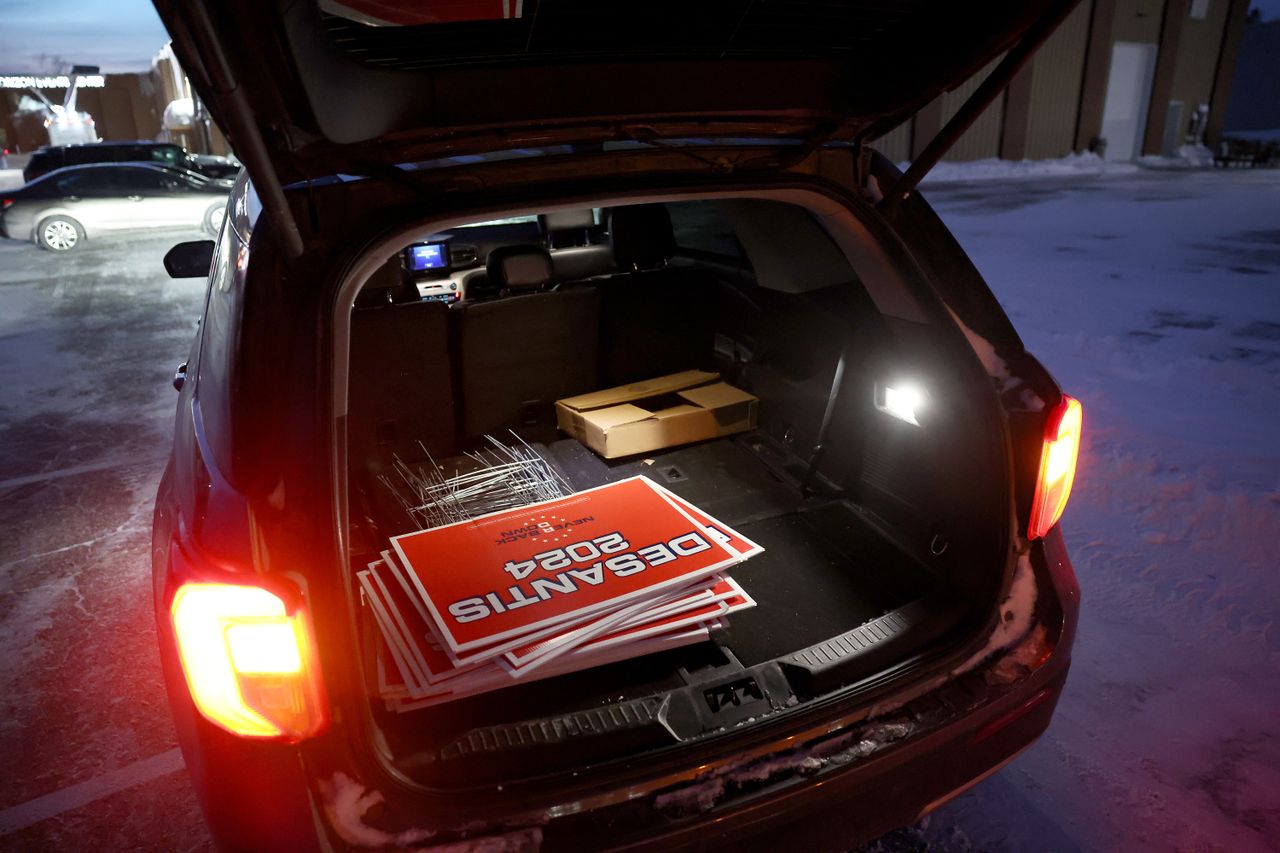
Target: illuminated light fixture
[(1058, 461), (250, 665), (902, 401)]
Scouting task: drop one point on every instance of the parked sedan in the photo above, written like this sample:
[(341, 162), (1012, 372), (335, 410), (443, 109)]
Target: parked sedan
[(64, 208)]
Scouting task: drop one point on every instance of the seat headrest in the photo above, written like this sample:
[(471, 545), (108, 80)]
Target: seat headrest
[(566, 220), (641, 236), (519, 268)]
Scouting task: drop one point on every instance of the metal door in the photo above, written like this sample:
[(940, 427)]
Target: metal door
[(1124, 115)]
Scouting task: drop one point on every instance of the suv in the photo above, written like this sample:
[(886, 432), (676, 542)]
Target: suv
[(51, 157), (446, 227)]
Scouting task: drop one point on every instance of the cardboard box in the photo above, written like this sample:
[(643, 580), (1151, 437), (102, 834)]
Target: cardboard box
[(664, 412)]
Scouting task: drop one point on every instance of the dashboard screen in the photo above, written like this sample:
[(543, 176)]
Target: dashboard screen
[(428, 256)]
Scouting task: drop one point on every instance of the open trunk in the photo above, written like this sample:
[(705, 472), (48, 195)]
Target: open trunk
[(882, 529)]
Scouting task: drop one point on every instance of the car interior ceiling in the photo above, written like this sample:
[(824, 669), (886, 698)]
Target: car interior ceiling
[(634, 299)]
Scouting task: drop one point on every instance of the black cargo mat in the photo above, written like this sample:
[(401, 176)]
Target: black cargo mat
[(809, 586), (722, 477), (823, 571)]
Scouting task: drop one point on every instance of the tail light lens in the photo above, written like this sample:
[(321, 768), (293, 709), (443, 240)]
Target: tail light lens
[(5, 203), (250, 664), (1057, 467)]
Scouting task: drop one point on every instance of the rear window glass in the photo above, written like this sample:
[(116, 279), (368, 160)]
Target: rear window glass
[(82, 183), (147, 179), (164, 154), (509, 220), (703, 227)]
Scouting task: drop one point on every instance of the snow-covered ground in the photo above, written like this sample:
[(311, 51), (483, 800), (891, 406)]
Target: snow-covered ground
[(1155, 299), (1086, 165), (88, 345)]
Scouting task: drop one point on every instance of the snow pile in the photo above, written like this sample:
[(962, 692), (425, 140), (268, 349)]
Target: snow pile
[(1186, 157), (1086, 164), (1016, 613), (347, 802)]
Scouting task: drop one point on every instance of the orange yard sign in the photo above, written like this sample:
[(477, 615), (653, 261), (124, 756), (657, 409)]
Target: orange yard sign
[(510, 573)]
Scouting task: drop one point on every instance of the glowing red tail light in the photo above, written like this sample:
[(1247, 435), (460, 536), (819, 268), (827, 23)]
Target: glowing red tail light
[(1057, 467), (5, 203), (250, 664)]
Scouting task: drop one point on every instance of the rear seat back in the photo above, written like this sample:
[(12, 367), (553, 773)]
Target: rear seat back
[(522, 352), (401, 388), (655, 318), (400, 393)]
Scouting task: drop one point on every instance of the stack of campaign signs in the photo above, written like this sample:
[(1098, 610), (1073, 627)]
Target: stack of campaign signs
[(605, 574)]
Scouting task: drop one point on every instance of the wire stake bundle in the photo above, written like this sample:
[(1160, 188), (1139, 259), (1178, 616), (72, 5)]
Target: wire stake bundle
[(502, 478)]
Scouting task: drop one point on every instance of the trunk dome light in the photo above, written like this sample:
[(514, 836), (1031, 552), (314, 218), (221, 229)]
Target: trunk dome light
[(1057, 467), (250, 665), (902, 402)]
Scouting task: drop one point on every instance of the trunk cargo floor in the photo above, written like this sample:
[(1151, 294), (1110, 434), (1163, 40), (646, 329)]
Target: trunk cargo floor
[(824, 571)]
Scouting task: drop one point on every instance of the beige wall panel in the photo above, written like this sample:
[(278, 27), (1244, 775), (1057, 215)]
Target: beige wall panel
[(1197, 61), (982, 139), (1139, 20), (896, 144), (1056, 77)]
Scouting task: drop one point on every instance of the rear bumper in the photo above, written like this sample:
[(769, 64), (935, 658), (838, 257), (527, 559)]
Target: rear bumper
[(844, 805), (826, 790)]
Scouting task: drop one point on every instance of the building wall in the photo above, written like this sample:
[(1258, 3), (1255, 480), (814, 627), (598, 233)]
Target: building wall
[(1054, 106), (982, 139), (1140, 20), (896, 144), (1057, 73), (1198, 48), (124, 109)]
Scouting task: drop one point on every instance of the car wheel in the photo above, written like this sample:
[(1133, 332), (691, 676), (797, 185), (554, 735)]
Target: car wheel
[(59, 233), (213, 218)]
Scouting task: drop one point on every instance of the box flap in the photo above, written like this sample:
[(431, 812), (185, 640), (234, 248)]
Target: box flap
[(715, 396), (676, 411), (617, 415), (639, 390)]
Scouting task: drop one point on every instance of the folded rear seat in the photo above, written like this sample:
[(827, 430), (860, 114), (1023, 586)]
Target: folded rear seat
[(655, 318), (525, 350)]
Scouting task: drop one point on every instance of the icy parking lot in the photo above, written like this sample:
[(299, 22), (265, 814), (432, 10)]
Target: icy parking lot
[(88, 345), (1153, 297)]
